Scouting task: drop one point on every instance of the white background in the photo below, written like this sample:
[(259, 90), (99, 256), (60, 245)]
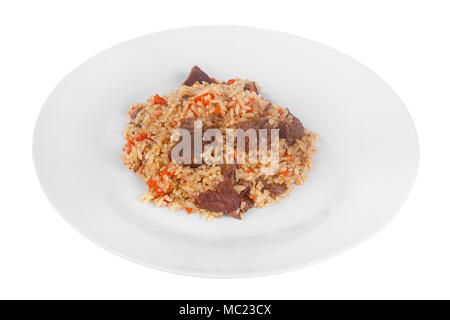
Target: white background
[(405, 42)]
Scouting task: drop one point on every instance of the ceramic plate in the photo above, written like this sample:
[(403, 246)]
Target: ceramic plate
[(365, 165)]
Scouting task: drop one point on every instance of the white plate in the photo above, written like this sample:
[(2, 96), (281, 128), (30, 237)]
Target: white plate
[(365, 165)]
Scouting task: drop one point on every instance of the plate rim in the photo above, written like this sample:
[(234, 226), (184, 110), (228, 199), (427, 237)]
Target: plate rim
[(362, 239)]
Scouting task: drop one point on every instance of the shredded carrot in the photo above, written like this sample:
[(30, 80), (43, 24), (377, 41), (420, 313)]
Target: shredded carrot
[(153, 185), (189, 210), (251, 104), (142, 170), (239, 165), (251, 88), (192, 110), (158, 100), (202, 96), (214, 80), (204, 102), (237, 103), (161, 197), (141, 137), (285, 173), (216, 110), (168, 171), (231, 81), (127, 147)]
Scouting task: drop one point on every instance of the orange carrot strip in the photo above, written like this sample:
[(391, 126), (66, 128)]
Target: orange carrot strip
[(158, 100), (141, 137), (127, 147), (251, 108)]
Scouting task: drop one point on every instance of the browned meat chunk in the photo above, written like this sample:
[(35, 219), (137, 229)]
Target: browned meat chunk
[(188, 124), (275, 189), (249, 86), (133, 113), (247, 185), (245, 195), (229, 174), (196, 75), (235, 214), (248, 204), (223, 199), (291, 129), (256, 124)]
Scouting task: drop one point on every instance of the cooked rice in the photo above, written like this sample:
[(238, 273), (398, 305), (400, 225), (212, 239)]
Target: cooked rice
[(147, 152)]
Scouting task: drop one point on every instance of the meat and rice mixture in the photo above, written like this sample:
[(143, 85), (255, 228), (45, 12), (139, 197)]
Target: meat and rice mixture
[(214, 189)]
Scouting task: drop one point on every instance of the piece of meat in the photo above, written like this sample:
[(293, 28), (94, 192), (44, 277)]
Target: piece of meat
[(196, 75), (229, 174), (188, 124), (249, 203), (244, 194), (291, 129), (223, 199), (251, 84), (235, 214), (256, 124), (275, 189), (247, 184), (133, 113)]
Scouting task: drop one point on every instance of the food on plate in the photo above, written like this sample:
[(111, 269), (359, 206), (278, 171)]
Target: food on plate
[(194, 118)]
